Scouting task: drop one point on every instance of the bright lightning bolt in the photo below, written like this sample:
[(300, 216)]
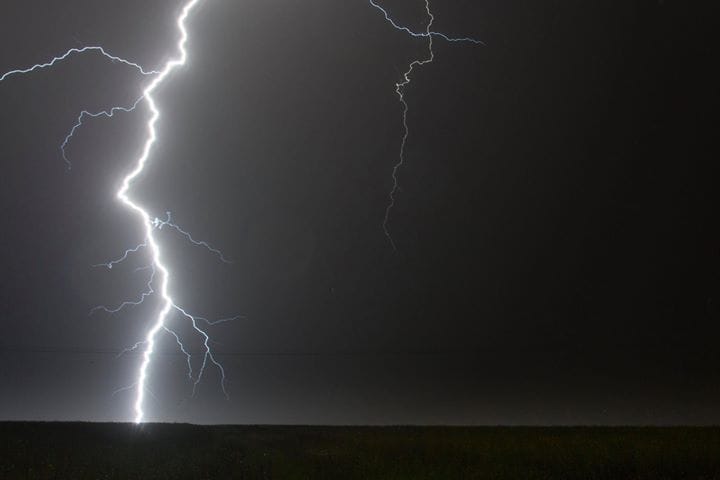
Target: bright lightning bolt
[(160, 272), (400, 90), (150, 224)]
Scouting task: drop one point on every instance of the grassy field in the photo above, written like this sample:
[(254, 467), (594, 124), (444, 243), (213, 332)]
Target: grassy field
[(118, 451)]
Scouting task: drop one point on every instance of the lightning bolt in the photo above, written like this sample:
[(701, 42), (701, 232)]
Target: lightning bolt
[(159, 224), (427, 32), (159, 271), (74, 51), (400, 88), (150, 222), (104, 113)]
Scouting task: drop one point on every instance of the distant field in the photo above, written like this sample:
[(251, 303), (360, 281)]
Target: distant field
[(119, 451)]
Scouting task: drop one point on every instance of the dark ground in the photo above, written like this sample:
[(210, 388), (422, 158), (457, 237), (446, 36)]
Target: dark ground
[(165, 451)]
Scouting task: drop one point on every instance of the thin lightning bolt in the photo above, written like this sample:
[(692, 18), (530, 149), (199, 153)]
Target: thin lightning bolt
[(105, 113), (72, 51), (125, 256), (400, 90), (130, 349), (427, 32), (160, 273), (149, 291), (208, 355), (182, 349), (159, 224)]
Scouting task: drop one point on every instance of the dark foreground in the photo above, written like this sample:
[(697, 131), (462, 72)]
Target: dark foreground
[(119, 451)]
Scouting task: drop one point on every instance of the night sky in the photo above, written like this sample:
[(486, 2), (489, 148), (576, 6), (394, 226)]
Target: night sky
[(558, 244)]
